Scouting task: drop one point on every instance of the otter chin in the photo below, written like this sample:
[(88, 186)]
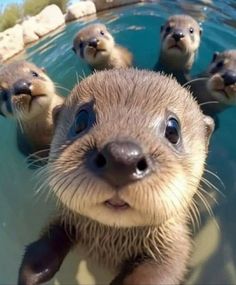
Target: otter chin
[(125, 163), (180, 40), (28, 95), (97, 47)]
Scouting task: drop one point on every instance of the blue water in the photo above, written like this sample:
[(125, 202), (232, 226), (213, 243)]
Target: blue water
[(137, 27)]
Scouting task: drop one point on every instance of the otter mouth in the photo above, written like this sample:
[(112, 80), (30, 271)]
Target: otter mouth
[(31, 99), (175, 46), (97, 51), (116, 204), (222, 92)]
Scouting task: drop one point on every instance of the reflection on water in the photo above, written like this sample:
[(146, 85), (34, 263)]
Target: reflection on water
[(22, 213)]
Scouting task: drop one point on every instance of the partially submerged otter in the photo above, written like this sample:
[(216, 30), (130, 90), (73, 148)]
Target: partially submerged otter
[(215, 89), (180, 40), (97, 47), (125, 163), (28, 95)]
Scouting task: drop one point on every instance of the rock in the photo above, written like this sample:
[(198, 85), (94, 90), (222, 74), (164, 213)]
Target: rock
[(42, 24), (11, 42), (80, 9), (49, 19), (29, 30), (107, 4)]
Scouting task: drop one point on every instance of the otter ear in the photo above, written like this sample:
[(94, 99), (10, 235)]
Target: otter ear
[(209, 127), (73, 49), (55, 114), (162, 27), (43, 69), (215, 54), (200, 31)]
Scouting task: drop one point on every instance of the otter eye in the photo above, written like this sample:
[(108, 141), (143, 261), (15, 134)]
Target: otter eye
[(81, 45), (102, 33), (168, 29), (35, 74), (191, 30), (215, 54), (82, 121), (220, 64), (172, 131)]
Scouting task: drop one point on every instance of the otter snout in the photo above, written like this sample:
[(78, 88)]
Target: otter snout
[(177, 35), (22, 87), (93, 43), (229, 77), (121, 162)]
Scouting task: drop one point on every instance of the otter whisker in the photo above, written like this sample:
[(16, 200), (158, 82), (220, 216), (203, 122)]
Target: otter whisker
[(194, 80), (205, 203), (212, 186), (196, 214), (61, 87), (17, 111), (208, 103), (33, 159), (216, 176), (81, 76), (208, 194)]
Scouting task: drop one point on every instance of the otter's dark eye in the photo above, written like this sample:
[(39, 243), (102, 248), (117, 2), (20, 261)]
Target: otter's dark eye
[(215, 54), (35, 74), (220, 64), (168, 29), (102, 33), (191, 30), (172, 132), (83, 120)]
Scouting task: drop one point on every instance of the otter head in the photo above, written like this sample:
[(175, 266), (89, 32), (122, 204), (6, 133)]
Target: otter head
[(129, 148), (94, 44), (25, 90), (222, 77), (180, 39)]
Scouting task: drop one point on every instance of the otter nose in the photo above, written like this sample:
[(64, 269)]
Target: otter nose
[(93, 43), (22, 87), (177, 35), (121, 163), (229, 77)]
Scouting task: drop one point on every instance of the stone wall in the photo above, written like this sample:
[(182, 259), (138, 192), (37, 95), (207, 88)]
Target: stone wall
[(14, 40)]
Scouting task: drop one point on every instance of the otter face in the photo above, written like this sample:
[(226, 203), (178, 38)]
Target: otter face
[(180, 36), (94, 43), (24, 90), (222, 77), (129, 148)]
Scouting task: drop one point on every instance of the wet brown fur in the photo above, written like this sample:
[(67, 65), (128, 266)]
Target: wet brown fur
[(208, 88), (34, 117), (131, 104), (115, 56), (171, 60)]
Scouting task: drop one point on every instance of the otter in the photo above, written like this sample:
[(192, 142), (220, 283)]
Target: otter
[(180, 40), (28, 95), (97, 47), (125, 163), (215, 88)]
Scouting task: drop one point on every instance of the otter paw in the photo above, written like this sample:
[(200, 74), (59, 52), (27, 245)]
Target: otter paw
[(40, 263)]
